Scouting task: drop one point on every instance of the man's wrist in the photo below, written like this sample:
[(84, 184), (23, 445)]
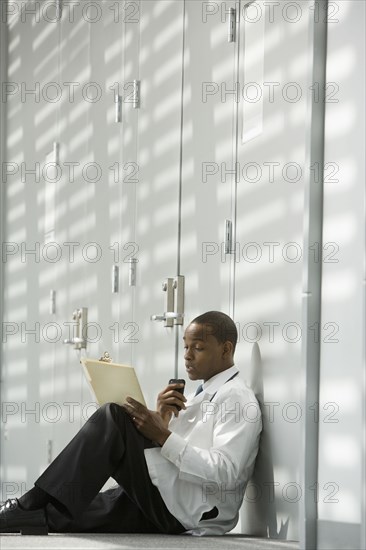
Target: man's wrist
[(163, 437)]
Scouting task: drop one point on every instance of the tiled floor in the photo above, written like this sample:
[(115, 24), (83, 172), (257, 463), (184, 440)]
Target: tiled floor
[(140, 542)]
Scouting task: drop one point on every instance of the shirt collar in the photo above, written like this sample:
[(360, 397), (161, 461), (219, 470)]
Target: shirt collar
[(215, 382)]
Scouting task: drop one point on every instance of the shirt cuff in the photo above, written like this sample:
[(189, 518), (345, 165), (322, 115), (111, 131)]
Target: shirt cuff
[(173, 448)]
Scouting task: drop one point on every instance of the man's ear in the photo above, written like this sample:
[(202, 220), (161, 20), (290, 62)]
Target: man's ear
[(228, 348)]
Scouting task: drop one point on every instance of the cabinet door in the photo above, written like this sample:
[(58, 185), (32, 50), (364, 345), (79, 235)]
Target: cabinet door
[(71, 223), (208, 164), (157, 192), (28, 351), (269, 248), (94, 201)]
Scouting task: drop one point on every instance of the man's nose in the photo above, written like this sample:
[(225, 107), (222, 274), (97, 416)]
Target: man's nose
[(187, 354)]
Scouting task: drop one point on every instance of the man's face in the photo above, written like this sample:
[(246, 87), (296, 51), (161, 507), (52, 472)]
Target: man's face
[(204, 356)]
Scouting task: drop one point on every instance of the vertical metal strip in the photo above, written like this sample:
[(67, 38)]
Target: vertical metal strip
[(3, 156), (312, 273), (238, 33), (140, 6), (234, 190), (135, 206), (363, 457), (179, 243), (363, 452)]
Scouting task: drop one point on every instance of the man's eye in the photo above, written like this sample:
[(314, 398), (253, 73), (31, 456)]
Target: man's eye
[(198, 349)]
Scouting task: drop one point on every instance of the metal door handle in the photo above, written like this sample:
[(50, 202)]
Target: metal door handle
[(167, 315), (73, 341)]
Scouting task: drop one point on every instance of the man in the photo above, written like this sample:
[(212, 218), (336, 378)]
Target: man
[(181, 469)]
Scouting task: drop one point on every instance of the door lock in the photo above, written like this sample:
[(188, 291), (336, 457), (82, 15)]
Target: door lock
[(174, 314), (80, 318)]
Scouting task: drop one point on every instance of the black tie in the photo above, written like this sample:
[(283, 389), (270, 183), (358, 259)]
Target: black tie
[(199, 389)]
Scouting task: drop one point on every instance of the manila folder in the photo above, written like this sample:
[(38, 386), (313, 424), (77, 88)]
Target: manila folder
[(112, 382)]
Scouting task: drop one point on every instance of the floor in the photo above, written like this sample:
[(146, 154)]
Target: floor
[(140, 542)]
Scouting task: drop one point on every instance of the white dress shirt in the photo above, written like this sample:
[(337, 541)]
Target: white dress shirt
[(209, 457)]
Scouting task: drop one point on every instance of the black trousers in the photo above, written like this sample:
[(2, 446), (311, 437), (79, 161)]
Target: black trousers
[(108, 445)]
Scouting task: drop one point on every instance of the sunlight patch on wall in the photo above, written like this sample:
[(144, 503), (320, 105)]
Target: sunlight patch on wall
[(341, 388), (46, 386), (46, 278), (274, 126), (45, 138), (14, 42), (86, 222), (16, 212), (342, 227), (16, 472), (342, 176), (16, 289), (218, 36), (166, 142), (144, 192), (344, 122), (223, 73), (340, 286), (264, 304), (52, 72), (42, 36), (342, 62), (171, 105), (14, 66), (114, 144), (297, 118), (340, 450), (112, 52), (167, 34), (15, 137), (168, 178), (164, 214), (270, 212), (18, 393), (14, 110), (166, 250), (81, 137), (47, 110), (161, 6), (298, 66)]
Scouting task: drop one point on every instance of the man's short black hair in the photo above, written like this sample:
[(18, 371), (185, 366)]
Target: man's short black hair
[(220, 325)]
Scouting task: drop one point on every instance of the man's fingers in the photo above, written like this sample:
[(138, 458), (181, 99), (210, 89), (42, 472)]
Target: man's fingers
[(132, 411), (171, 387), (138, 407), (176, 398), (129, 410), (175, 394), (133, 402)]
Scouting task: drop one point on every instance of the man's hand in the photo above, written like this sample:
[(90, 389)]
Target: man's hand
[(169, 402), (149, 423)]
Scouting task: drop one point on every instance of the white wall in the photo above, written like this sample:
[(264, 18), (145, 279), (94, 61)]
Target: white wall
[(342, 362)]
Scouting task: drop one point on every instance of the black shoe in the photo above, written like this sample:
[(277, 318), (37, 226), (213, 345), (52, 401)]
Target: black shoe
[(13, 519)]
